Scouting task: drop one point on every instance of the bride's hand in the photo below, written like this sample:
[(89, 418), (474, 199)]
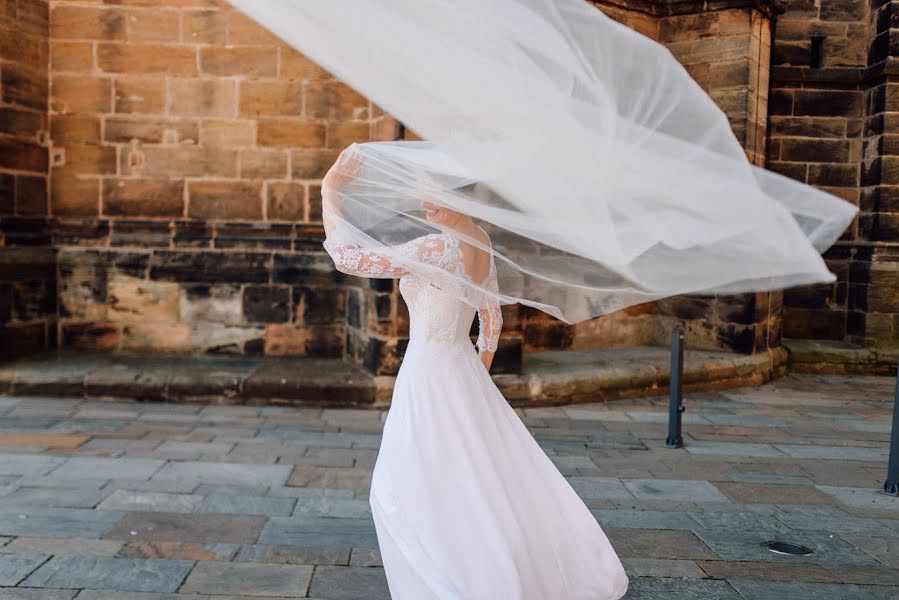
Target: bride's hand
[(345, 169)]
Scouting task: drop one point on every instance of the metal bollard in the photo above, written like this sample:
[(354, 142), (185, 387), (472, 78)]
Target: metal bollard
[(676, 390), (891, 485)]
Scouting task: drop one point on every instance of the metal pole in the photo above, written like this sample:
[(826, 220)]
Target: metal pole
[(676, 390), (891, 486)]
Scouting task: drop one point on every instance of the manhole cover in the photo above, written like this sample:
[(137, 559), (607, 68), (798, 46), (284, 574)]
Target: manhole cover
[(788, 548)]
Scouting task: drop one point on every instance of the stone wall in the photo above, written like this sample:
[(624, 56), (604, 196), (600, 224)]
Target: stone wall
[(187, 148), (27, 274), (831, 126)]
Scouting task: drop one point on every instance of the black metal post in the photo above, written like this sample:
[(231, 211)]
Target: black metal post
[(676, 390), (891, 486)]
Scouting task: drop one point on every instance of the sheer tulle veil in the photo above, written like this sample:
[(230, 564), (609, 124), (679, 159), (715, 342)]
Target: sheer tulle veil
[(602, 172)]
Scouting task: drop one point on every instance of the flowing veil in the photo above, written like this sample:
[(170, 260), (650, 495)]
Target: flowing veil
[(603, 173)]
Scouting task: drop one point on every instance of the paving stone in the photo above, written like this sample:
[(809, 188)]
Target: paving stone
[(829, 518), (176, 449), (782, 479), (124, 574), (46, 440), (365, 557), (321, 477), (179, 550), (322, 532), (656, 567), (330, 507), (766, 590), (657, 543), (310, 494), (324, 439), (673, 489), (744, 420), (208, 489), (80, 468), (59, 496), (194, 527), (77, 546), (747, 545), (290, 581), (834, 452), (267, 553), (26, 464), (767, 571), (885, 550), (200, 472), (10, 422), (739, 521), (246, 505), (648, 588), (741, 449), (172, 486), (876, 592), (865, 575), (349, 583), (606, 488), (117, 595), (862, 497), (643, 519), (89, 425), (56, 522), (42, 594), (121, 444), (770, 493), (151, 501), (14, 567), (8, 402)]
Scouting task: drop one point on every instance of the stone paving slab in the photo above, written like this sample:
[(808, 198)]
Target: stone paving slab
[(234, 490), (15, 567), (125, 574), (290, 581)]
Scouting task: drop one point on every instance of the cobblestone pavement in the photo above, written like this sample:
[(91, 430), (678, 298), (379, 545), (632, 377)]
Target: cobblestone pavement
[(153, 501)]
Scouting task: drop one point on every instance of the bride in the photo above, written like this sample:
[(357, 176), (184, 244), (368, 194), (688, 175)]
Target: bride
[(466, 504)]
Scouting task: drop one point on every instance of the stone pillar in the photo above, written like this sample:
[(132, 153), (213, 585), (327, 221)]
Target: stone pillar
[(873, 309), (27, 264)]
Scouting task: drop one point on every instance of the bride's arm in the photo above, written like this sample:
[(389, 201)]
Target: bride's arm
[(349, 257), (490, 325)]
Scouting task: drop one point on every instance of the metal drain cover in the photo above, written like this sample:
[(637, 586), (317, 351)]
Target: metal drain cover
[(788, 548)]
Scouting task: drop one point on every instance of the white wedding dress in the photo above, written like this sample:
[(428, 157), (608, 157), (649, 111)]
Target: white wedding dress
[(466, 504)]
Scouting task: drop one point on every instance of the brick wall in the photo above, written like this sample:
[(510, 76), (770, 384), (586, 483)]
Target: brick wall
[(830, 126), (187, 148), (27, 276)]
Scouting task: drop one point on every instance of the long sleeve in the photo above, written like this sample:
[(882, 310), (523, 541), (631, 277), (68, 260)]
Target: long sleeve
[(490, 318), (384, 263)]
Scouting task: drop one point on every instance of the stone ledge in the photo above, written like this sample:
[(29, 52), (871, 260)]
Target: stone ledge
[(548, 378), (554, 378), (839, 358)]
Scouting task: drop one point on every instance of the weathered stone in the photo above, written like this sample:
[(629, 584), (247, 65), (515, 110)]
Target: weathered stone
[(125, 574), (345, 583), (163, 526), (248, 578)]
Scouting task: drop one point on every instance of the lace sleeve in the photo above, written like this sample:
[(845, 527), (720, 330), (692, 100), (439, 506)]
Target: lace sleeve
[(490, 318), (384, 263)]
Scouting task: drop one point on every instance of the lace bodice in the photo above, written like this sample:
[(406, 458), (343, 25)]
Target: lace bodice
[(436, 311)]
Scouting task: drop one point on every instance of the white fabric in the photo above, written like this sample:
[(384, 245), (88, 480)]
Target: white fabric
[(606, 176), (466, 504)]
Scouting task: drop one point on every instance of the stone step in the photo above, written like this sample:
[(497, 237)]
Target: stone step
[(547, 378), (189, 378), (835, 357)]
